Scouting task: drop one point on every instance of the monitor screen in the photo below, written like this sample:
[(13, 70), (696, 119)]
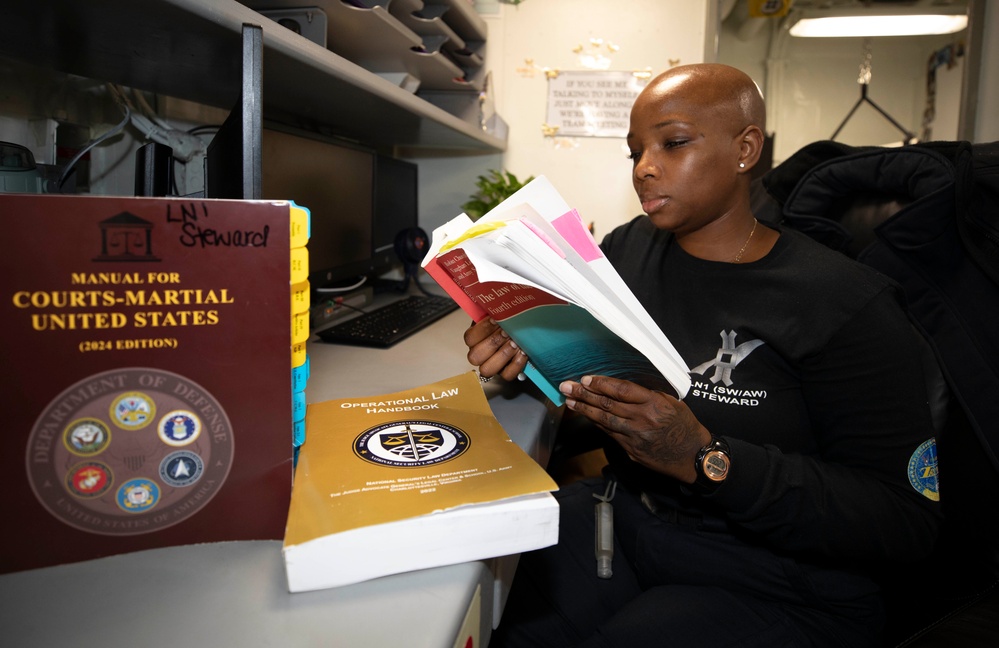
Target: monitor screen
[(395, 208), (232, 162), (334, 181)]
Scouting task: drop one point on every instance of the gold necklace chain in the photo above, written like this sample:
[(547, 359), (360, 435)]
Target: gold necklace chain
[(738, 257)]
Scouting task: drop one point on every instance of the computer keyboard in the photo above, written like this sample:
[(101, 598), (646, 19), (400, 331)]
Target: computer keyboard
[(386, 325)]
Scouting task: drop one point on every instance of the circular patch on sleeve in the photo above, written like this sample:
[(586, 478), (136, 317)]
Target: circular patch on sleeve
[(923, 473)]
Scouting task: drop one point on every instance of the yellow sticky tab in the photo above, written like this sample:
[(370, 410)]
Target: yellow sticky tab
[(472, 232), (299, 265), (300, 297), (299, 327), (301, 223), (298, 354)]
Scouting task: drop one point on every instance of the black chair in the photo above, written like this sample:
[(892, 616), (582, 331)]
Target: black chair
[(927, 216)]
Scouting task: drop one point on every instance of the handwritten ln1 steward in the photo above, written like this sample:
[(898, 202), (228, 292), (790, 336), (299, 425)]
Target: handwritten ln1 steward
[(146, 339)]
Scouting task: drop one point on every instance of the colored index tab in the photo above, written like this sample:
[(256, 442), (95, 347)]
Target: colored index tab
[(298, 406), (476, 230), (300, 376), (299, 265), (571, 227), (300, 297), (544, 237), (299, 328), (299, 354), (301, 225)]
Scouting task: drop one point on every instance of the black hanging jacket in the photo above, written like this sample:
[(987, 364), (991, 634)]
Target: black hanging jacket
[(926, 215)]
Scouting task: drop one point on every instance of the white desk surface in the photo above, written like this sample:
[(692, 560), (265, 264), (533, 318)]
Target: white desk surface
[(235, 594)]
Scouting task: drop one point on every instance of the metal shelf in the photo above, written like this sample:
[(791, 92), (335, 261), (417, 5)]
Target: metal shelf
[(190, 49)]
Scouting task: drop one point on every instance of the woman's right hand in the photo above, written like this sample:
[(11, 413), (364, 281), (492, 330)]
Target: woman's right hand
[(493, 352)]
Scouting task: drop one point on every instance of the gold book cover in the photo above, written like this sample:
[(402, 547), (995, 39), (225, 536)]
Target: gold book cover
[(408, 480)]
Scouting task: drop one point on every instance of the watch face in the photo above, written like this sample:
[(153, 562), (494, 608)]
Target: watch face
[(715, 465)]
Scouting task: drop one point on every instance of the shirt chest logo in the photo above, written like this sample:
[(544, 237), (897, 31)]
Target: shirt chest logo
[(728, 358)]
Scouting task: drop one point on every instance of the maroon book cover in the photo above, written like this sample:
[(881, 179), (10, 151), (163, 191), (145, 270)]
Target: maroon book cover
[(146, 374)]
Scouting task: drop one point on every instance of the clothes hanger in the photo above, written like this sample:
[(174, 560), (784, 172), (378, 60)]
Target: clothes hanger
[(865, 80)]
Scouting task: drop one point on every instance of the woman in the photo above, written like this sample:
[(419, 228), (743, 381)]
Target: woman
[(754, 511)]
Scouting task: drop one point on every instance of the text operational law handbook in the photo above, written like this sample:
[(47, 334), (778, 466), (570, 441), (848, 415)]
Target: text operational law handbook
[(410, 480)]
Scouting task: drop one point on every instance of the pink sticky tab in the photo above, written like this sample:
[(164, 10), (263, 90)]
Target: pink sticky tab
[(544, 237), (571, 227)]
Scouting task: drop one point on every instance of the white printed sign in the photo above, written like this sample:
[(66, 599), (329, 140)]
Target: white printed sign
[(592, 103)]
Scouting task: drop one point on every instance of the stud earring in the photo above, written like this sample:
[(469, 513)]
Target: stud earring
[(742, 165)]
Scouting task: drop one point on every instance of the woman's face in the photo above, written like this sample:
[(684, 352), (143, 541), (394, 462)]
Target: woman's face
[(685, 155)]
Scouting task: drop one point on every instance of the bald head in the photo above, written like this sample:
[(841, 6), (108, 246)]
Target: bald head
[(696, 135), (720, 89)]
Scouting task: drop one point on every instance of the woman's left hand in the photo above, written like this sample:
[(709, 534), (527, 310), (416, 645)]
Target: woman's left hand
[(654, 428)]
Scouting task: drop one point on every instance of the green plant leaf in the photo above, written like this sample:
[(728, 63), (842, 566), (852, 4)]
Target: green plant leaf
[(492, 188)]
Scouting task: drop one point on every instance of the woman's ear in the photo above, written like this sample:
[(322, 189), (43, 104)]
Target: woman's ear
[(750, 147)]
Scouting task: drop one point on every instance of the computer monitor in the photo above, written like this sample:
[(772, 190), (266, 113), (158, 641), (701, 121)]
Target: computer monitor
[(334, 180), (395, 209), (232, 161)]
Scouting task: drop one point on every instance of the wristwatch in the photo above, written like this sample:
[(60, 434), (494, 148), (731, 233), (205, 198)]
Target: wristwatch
[(712, 465)]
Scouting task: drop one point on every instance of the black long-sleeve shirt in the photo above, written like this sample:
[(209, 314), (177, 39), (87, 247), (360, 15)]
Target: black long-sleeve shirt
[(805, 362)]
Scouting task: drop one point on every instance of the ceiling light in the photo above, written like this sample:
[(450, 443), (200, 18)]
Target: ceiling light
[(891, 25)]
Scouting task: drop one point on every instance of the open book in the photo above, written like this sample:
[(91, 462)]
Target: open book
[(532, 266)]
